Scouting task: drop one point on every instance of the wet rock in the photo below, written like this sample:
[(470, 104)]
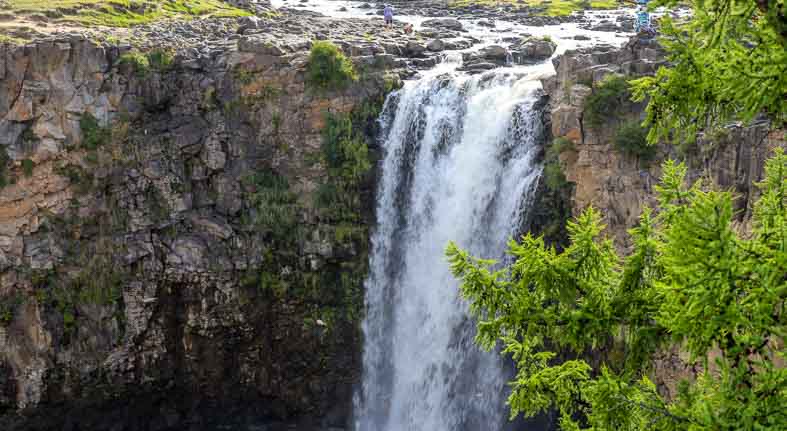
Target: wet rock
[(457, 44), (445, 23), (435, 45), (533, 50), (414, 49)]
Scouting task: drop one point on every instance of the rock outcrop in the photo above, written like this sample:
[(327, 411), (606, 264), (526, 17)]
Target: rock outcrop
[(175, 252), (532, 50), (621, 184)]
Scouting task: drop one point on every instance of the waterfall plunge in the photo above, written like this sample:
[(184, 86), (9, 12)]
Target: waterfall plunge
[(460, 164)]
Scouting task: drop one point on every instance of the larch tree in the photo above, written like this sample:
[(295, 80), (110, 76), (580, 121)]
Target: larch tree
[(694, 281)]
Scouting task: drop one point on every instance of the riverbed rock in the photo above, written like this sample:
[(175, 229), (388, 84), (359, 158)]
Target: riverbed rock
[(533, 50), (445, 23), (435, 45)]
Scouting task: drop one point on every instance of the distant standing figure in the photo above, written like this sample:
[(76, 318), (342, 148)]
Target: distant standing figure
[(388, 15)]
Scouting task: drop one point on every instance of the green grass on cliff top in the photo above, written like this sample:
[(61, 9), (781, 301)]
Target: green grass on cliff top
[(123, 13), (552, 8)]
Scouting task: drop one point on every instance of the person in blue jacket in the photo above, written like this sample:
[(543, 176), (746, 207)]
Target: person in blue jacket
[(388, 15)]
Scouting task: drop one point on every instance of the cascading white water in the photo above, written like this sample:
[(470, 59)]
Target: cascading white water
[(460, 164)]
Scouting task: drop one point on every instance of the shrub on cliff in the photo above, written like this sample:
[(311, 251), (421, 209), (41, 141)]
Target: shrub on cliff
[(631, 138), (138, 62), (606, 100), (328, 68), (693, 282), (554, 176)]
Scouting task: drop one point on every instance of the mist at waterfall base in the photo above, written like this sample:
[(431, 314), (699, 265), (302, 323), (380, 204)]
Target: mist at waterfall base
[(461, 163)]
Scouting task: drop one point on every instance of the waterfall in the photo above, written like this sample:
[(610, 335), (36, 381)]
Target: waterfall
[(461, 163)]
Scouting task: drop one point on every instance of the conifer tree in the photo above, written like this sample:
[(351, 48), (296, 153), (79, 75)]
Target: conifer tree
[(728, 62), (695, 281)]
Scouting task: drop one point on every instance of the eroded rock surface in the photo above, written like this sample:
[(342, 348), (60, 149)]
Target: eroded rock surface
[(174, 253)]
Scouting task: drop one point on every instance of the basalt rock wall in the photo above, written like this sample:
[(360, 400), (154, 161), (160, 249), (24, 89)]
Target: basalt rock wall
[(618, 183), (600, 173), (175, 252)]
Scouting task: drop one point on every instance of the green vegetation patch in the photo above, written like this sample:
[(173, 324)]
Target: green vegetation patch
[(141, 64), (554, 176), (328, 68), (631, 138), (5, 161), (606, 101), (124, 13), (583, 324), (551, 8)]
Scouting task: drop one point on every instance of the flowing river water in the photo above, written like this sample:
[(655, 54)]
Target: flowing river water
[(461, 163)]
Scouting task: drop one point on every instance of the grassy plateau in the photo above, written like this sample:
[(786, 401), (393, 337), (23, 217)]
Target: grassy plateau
[(121, 13)]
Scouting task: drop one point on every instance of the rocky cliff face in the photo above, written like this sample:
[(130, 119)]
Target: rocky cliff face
[(175, 252), (599, 172), (618, 182)]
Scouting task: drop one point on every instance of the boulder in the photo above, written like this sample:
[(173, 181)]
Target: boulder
[(414, 49), (435, 45), (257, 45), (533, 50), (248, 23), (457, 44), (446, 23)]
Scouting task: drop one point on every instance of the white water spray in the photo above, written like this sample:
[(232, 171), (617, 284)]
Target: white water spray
[(460, 164)]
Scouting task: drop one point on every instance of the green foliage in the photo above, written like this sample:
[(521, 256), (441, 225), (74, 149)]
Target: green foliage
[(5, 160), (158, 59), (346, 157), (125, 13), (161, 60), (328, 68), (728, 62), (692, 282), (606, 100), (631, 138), (93, 134), (77, 176), (8, 307), (275, 205), (27, 167), (553, 170), (138, 62)]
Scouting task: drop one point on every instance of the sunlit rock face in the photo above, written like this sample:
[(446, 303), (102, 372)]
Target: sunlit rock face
[(137, 288)]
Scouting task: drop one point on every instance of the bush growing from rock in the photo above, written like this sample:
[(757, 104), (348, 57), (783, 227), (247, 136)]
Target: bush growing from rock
[(4, 161), (27, 167), (631, 138), (606, 101), (139, 63), (328, 68), (161, 59), (553, 171), (93, 135)]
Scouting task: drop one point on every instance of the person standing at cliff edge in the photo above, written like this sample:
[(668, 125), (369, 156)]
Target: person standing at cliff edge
[(388, 15)]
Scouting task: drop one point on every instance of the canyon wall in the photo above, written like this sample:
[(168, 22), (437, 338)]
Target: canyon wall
[(175, 249), (620, 183), (599, 173)]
